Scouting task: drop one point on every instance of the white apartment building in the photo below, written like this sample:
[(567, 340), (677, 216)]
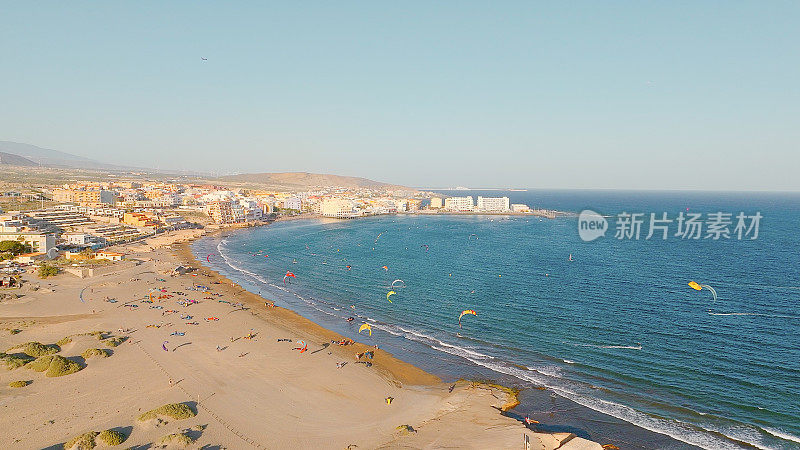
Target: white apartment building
[(459, 204), (436, 202), (39, 242), (337, 208), (293, 203), (493, 204)]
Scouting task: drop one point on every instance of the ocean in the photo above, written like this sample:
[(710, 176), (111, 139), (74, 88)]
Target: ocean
[(627, 350)]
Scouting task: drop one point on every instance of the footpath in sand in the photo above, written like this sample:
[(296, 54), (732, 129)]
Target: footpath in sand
[(226, 364)]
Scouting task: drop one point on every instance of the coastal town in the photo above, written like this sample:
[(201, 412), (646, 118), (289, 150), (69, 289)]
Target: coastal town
[(69, 221)]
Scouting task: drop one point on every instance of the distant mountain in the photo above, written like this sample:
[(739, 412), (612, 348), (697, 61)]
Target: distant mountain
[(52, 158), (15, 160), (294, 180)]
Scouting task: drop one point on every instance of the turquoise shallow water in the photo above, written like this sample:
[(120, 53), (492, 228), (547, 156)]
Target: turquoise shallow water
[(616, 330)]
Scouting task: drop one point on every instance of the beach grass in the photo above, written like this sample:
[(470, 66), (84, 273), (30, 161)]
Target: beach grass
[(36, 349), (179, 439), (64, 341), (54, 365), (19, 384), (114, 341), (111, 437), (177, 411), (85, 441), (15, 360), (95, 352)]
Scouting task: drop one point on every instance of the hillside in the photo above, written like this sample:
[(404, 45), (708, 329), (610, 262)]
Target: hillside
[(14, 160), (295, 180), (48, 157)]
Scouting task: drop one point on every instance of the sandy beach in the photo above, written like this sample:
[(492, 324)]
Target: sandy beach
[(234, 363)]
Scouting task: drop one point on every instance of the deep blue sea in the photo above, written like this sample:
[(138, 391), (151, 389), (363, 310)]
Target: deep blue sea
[(616, 330)]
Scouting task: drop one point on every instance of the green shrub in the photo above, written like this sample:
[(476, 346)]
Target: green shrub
[(14, 247), (61, 366), (46, 270), (115, 341), (37, 349), (92, 352), (14, 331), (15, 361), (111, 437), (64, 341), (18, 384), (55, 365), (82, 442), (175, 410), (41, 364), (182, 439)]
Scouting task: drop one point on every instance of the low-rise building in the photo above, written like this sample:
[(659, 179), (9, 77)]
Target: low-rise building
[(111, 256), (28, 258), (520, 208)]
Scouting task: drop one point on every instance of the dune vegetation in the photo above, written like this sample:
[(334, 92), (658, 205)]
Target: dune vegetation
[(36, 349), (114, 341), (55, 366), (96, 352), (179, 439), (85, 441), (14, 361), (19, 384), (88, 441), (111, 437), (174, 410)]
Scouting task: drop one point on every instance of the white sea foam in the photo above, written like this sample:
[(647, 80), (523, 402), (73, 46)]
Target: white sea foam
[(782, 434)]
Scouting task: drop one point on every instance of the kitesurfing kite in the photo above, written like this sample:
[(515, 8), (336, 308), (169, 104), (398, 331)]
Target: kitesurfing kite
[(208, 257), (386, 268), (464, 313), (288, 274), (699, 287), (473, 234), (164, 345), (426, 246), (401, 285), (302, 346), (365, 327), (389, 294), (379, 236)]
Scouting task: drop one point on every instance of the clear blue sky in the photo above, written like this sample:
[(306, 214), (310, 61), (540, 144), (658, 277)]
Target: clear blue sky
[(641, 95)]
